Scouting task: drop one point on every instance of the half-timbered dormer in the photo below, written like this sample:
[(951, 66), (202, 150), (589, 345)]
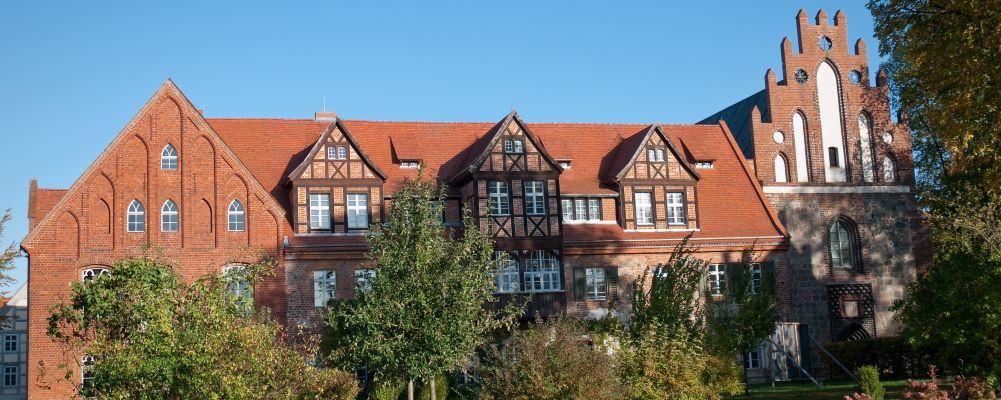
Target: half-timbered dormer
[(657, 187), (336, 189)]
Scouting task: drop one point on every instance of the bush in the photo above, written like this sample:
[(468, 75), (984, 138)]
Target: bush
[(868, 378), (895, 358), (972, 389)]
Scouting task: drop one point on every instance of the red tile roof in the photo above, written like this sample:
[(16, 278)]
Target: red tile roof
[(730, 203)]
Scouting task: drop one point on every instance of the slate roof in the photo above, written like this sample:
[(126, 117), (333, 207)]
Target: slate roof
[(738, 117)]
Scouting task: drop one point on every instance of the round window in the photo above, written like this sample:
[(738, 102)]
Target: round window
[(855, 77), (887, 137), (778, 137), (826, 43), (801, 76)]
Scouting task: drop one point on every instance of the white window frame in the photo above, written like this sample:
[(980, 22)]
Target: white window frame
[(595, 284), (535, 197), (410, 164), (580, 209), (136, 217), (754, 272), (91, 273), (509, 146), (86, 369), (357, 210), (8, 342), (236, 216), (519, 146), (506, 273), (717, 279), (342, 152), (331, 153), (240, 288), (364, 278), (499, 198), (675, 208), (643, 208), (752, 359), (841, 246), (594, 209), (567, 204), (168, 158), (542, 272), (324, 287), (169, 217), (319, 211)]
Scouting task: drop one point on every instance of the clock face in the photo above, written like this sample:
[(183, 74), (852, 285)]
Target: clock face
[(887, 137), (825, 43), (778, 137), (801, 76)]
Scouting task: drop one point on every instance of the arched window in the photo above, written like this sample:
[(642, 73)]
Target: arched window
[(889, 170), (168, 158), (136, 217), (845, 249), (781, 173), (93, 272), (799, 140), (168, 217), (832, 131), (865, 144), (237, 220)]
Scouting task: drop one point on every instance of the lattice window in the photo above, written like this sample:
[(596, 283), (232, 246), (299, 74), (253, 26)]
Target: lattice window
[(852, 311)]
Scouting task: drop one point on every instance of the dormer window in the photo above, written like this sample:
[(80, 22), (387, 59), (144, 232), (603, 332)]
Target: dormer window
[(410, 164), (565, 164), (655, 155), (514, 146), (704, 164)]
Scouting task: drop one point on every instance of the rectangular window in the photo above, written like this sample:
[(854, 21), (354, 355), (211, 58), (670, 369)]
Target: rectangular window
[(324, 287), (849, 309), (10, 375), (331, 153), (832, 154), (650, 155), (542, 272), (363, 279), (567, 209), (644, 208), (753, 359), (717, 279), (499, 203), (357, 211), (342, 153), (535, 198), (754, 275), (319, 211), (596, 287), (675, 209), (508, 146), (10, 343), (594, 209), (506, 275), (581, 209), (518, 146), (410, 164)]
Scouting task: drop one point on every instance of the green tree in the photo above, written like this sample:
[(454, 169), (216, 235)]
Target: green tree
[(424, 314), (670, 296), (7, 257), (554, 359), (152, 336)]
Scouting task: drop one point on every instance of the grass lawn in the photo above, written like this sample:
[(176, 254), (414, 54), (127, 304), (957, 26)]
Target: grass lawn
[(806, 390)]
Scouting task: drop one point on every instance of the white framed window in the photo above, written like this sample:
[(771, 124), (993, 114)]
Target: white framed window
[(168, 158), (86, 370), (594, 209), (519, 146), (675, 209), (644, 208), (717, 279), (753, 359), (364, 278), (410, 164), (10, 375), (781, 173), (136, 217), (542, 272), (581, 206), (509, 146), (754, 277), (865, 148), (655, 155), (319, 211), (499, 198), (506, 274), (238, 283), (889, 171), (342, 153), (169, 217), (91, 273), (357, 211), (565, 164), (10, 343), (567, 205), (704, 164), (236, 216), (597, 289), (324, 287), (535, 197)]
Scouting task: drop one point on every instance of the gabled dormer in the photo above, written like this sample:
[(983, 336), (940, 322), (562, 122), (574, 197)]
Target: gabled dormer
[(657, 186), (336, 189), (512, 183)]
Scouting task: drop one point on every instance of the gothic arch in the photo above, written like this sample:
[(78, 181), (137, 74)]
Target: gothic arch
[(844, 244), (781, 168)]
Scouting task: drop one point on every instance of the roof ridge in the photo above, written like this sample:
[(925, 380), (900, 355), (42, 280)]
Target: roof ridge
[(263, 119)]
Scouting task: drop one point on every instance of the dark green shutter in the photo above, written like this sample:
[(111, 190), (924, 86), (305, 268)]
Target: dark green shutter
[(612, 284), (579, 283)]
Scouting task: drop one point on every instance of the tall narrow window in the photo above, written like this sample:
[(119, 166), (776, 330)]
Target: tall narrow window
[(499, 204), (717, 279), (10, 343), (542, 271), (506, 274), (238, 284), (236, 216), (675, 209), (781, 176), (324, 287), (799, 139), (832, 129), (597, 288), (519, 146), (865, 144), (342, 153), (10, 375), (319, 211), (87, 371), (581, 206), (168, 217), (594, 209), (889, 170), (535, 198), (364, 278), (357, 211), (754, 277), (136, 217), (168, 158), (843, 241), (567, 205), (644, 208), (832, 156), (331, 153)]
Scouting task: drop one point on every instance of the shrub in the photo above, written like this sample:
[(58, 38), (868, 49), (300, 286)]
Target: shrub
[(926, 390), (972, 389), (868, 376)]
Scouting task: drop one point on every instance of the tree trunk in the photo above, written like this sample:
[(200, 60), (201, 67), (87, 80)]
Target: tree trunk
[(747, 392), (410, 389), (434, 393)]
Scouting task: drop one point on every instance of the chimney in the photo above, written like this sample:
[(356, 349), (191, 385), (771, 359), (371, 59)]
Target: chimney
[(325, 116)]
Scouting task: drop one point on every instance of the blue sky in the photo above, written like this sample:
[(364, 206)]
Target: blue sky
[(73, 74)]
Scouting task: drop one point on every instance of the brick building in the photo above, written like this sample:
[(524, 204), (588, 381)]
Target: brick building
[(580, 210)]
